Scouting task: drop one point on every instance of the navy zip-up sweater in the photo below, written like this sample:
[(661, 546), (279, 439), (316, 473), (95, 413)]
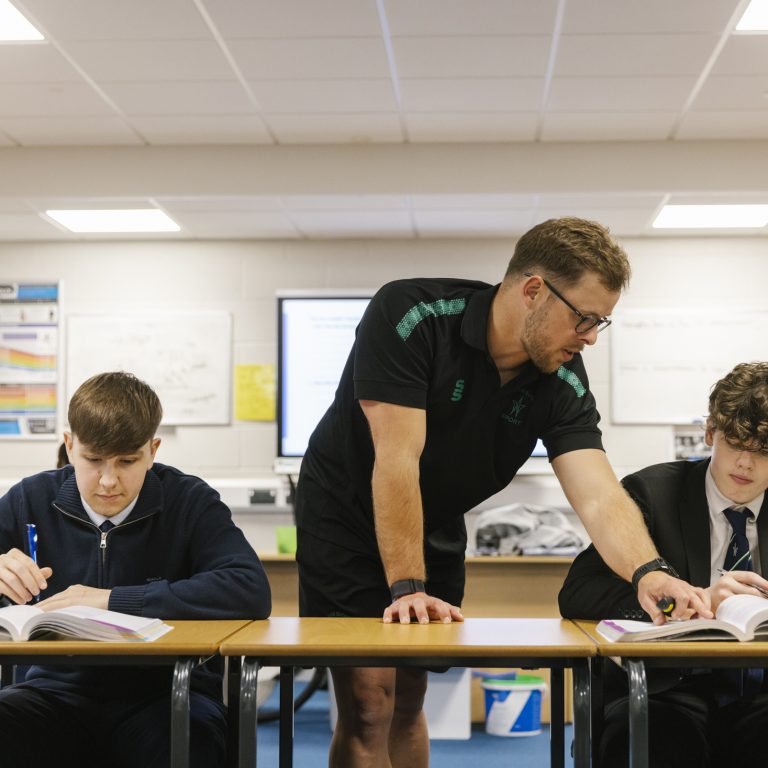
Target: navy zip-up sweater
[(178, 555)]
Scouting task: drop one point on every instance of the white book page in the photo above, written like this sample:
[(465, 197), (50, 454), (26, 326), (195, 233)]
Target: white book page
[(743, 611), (15, 617)]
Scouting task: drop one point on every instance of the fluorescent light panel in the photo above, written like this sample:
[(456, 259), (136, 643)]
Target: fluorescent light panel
[(14, 28), (755, 18), (711, 217), (136, 220)]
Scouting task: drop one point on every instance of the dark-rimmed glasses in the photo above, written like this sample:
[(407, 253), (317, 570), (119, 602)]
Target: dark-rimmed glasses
[(586, 322)]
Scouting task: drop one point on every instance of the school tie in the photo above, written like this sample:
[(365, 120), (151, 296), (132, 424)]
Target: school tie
[(737, 557), (106, 526), (745, 683)]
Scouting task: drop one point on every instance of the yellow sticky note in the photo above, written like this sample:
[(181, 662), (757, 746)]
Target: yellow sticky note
[(255, 392)]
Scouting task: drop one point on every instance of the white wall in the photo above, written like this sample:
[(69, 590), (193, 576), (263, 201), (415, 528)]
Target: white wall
[(242, 277)]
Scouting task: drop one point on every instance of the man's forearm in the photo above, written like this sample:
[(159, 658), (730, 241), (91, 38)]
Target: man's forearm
[(399, 520)]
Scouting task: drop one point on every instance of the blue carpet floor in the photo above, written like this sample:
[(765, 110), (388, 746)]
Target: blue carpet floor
[(313, 737)]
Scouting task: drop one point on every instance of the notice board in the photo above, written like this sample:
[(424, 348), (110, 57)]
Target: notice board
[(665, 361), (185, 357)]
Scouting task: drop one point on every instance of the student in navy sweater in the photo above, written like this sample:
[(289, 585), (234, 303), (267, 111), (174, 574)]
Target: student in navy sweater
[(171, 551)]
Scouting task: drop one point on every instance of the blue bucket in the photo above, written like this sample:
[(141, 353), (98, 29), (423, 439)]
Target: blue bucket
[(513, 707)]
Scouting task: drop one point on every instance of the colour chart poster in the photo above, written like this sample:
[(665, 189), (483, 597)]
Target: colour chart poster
[(29, 336)]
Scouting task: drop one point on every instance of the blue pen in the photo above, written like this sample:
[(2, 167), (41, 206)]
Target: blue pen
[(32, 544)]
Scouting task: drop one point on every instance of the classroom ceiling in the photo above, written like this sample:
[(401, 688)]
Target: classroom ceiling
[(186, 89)]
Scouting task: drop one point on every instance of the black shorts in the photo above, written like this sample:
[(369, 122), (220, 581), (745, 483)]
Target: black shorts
[(335, 581)]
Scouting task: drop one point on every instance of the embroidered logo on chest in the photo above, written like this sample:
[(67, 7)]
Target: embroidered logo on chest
[(458, 390)]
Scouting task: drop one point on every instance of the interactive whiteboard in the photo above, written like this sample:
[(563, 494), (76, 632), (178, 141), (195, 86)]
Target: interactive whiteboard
[(185, 357), (664, 362)]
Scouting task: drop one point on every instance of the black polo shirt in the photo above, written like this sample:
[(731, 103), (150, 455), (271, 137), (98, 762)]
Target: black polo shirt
[(423, 343)]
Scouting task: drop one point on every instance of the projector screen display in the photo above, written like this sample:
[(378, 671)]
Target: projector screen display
[(315, 336)]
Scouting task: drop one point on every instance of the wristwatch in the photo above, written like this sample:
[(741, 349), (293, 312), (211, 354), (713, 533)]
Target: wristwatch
[(657, 564), (405, 587)]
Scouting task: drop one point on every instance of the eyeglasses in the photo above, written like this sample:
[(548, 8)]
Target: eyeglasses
[(586, 322)]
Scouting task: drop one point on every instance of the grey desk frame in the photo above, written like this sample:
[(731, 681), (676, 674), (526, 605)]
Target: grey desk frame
[(247, 716), (182, 672)]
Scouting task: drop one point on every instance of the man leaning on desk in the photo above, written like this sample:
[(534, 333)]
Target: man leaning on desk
[(707, 518), (448, 386), (117, 531)]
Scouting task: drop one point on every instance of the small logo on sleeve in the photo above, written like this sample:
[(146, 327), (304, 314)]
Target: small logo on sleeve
[(458, 390)]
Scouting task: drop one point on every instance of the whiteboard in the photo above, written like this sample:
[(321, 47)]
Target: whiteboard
[(664, 362), (185, 357)]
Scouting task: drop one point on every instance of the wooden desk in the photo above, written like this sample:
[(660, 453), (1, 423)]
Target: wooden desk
[(635, 658), (289, 642), (183, 648)]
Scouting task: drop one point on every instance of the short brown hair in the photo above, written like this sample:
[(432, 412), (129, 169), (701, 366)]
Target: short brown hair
[(114, 413), (569, 247), (738, 406)]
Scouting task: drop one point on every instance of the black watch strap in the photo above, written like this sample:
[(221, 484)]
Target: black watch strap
[(657, 564), (405, 587)]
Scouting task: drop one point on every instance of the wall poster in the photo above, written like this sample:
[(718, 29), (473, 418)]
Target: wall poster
[(29, 338)]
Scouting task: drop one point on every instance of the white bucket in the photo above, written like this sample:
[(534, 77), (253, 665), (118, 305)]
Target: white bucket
[(513, 707)]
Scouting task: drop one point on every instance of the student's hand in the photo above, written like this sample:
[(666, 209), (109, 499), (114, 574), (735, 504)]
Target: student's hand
[(423, 608), (77, 594), (20, 577), (736, 583), (689, 601)]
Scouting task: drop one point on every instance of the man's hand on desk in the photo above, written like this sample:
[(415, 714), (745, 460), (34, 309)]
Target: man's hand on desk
[(77, 594), (423, 608), (689, 601)]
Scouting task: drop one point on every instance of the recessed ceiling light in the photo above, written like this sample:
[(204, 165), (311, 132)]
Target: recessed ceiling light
[(14, 27), (755, 18), (711, 217), (137, 220)]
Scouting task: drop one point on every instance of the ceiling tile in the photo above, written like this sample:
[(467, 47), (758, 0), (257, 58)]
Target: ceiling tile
[(473, 223), (151, 60), (353, 223), (181, 98), (345, 202), (472, 95), (580, 203), (617, 94), (38, 99), (607, 126), (497, 202), (35, 63), (633, 55), (733, 92), (471, 126), (743, 55), (648, 17), (335, 128), (203, 129), (118, 20), (731, 124), (61, 130), (28, 226), (472, 56), (233, 224), (324, 95), (244, 203), (311, 59), (459, 17), (293, 18)]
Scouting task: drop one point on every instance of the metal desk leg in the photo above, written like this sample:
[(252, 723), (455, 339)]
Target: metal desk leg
[(638, 714), (286, 717), (581, 715), (248, 713), (557, 718), (180, 713), (597, 672), (233, 666)]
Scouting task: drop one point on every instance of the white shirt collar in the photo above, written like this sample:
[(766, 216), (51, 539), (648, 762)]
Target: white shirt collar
[(98, 519)]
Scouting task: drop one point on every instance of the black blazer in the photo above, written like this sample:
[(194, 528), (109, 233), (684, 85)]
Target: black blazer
[(673, 501)]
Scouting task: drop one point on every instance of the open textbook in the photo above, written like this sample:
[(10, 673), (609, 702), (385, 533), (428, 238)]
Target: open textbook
[(25, 622), (739, 617)]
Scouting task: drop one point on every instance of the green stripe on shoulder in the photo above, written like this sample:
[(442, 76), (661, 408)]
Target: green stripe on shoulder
[(569, 377), (421, 311)]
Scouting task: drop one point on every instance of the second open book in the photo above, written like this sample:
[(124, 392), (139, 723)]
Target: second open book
[(739, 617)]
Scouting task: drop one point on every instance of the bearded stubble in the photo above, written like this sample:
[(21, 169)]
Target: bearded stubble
[(535, 344)]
